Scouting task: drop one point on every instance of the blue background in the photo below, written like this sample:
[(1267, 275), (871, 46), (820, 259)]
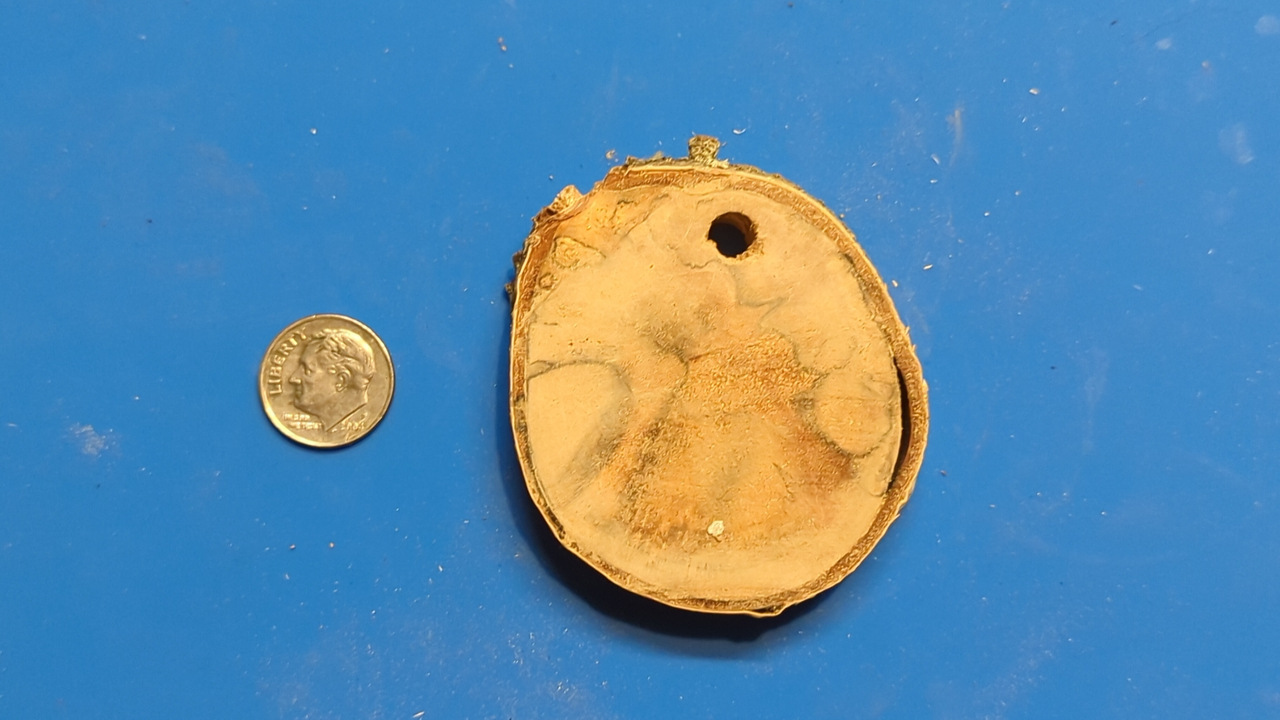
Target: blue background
[(1078, 202)]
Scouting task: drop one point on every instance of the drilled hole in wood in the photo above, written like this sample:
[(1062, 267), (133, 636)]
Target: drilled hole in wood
[(732, 233)]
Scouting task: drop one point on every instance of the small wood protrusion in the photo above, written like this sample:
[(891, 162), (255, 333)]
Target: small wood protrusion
[(703, 149)]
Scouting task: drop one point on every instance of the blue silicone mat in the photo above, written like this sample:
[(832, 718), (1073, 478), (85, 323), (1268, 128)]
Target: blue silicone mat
[(1077, 205)]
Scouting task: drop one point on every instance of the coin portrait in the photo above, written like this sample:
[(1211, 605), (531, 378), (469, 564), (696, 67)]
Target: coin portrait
[(326, 380), (714, 402)]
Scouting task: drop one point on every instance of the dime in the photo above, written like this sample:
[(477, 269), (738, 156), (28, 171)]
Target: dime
[(326, 381), (714, 401)]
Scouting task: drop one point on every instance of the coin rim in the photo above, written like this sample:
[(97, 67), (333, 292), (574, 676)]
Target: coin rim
[(915, 406), (262, 385)]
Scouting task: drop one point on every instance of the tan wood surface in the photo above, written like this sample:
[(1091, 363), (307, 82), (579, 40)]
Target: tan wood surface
[(719, 433)]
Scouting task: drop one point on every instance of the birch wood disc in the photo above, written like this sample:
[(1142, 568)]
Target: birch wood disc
[(714, 402)]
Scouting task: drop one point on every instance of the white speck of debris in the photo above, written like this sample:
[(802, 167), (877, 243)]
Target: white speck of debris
[(91, 442), (936, 160), (1138, 288), (15, 425), (419, 714), (314, 131), (1034, 91), (1267, 25), (142, 37), (716, 529), (736, 131), (1164, 43), (929, 266)]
